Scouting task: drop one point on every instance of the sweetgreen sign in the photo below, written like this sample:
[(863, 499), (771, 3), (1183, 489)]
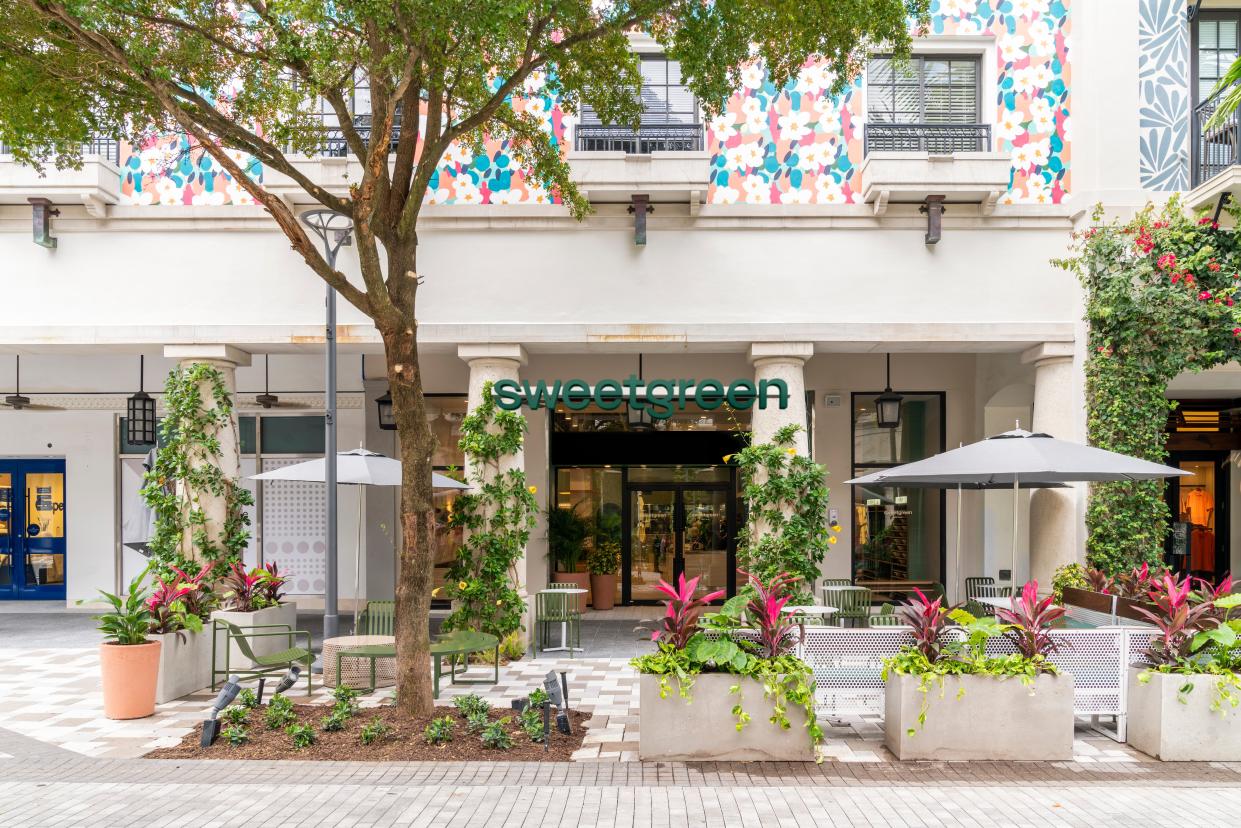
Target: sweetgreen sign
[(661, 398)]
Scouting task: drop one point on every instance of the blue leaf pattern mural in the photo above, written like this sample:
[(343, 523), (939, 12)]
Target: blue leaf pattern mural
[(1163, 94)]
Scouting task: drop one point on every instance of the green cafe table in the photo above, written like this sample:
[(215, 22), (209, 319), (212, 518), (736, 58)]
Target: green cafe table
[(461, 644)]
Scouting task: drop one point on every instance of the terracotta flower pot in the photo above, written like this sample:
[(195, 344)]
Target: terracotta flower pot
[(603, 591), (129, 674)]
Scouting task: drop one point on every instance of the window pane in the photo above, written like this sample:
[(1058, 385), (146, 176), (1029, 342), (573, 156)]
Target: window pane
[(654, 70), (1227, 35), (935, 72), (916, 438), (879, 71), (1208, 34), (293, 435), (445, 415)]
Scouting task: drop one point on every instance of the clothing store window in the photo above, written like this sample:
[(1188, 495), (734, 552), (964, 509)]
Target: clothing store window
[(1195, 519)]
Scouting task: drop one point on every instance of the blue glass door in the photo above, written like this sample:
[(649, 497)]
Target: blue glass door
[(32, 529)]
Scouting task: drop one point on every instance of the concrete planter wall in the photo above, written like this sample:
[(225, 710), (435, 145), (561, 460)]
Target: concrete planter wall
[(1163, 727), (184, 664), (704, 729), (994, 719), (283, 614)]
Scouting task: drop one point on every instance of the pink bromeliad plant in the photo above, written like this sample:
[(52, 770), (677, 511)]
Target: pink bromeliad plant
[(680, 620), (765, 612), (1028, 623)]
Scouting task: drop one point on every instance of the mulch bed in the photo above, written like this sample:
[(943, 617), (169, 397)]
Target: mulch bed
[(403, 743)]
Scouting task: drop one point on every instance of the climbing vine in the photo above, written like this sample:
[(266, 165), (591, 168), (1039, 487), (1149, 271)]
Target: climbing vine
[(1159, 301), (497, 515), (786, 496), (187, 469)]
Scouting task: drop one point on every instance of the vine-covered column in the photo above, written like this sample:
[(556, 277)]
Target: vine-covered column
[(783, 361)]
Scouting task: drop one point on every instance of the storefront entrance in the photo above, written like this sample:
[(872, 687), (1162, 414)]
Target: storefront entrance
[(1198, 540), (675, 529), (32, 529)]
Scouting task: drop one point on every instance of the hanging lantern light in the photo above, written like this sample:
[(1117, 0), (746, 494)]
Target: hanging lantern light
[(888, 404), (387, 419), (140, 413)]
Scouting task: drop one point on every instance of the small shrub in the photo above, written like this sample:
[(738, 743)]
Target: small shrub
[(476, 721), (471, 703), (531, 721), (439, 731), (496, 735), (235, 735), (303, 735), (513, 646), (537, 696), (344, 709), (374, 730), (249, 698), (279, 712), (235, 714), (347, 697), (333, 722)]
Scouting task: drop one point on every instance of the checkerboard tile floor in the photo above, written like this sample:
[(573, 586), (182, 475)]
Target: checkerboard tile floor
[(53, 696)]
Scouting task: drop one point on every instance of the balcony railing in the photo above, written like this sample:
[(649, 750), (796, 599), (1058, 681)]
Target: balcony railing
[(334, 144), (1215, 148), (937, 139), (109, 148), (646, 139)]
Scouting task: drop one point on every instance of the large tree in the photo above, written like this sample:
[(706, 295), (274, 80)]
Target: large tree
[(249, 76)]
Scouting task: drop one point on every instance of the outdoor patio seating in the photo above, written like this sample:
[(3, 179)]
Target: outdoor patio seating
[(852, 604), (885, 620), (260, 665), (972, 585), (377, 618), (462, 644), (557, 607)]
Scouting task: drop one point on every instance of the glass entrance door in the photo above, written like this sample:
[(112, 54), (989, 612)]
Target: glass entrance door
[(679, 529), (32, 529)]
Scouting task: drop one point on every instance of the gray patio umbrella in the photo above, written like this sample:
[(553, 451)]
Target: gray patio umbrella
[(357, 467), (1016, 459)]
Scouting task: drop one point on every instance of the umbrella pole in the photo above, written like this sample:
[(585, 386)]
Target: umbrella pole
[(1013, 571), (357, 563), (956, 587)]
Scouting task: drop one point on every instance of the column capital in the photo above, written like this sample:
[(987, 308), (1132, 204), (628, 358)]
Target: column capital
[(221, 353), (512, 352), (1048, 352), (783, 351)]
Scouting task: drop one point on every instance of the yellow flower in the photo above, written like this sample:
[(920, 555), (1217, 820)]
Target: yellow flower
[(835, 527), (436, 591), (498, 603), (462, 585), (831, 538), (791, 450), (534, 489), (728, 458)]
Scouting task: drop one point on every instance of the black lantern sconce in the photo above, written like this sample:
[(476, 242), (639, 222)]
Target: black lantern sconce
[(387, 419), (140, 414), (888, 404)]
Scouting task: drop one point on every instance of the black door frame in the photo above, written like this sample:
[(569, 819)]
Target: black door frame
[(729, 489), (1223, 492)]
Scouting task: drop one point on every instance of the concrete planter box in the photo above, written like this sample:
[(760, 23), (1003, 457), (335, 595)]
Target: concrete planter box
[(994, 719), (283, 614), (184, 664), (704, 729), (1163, 727)]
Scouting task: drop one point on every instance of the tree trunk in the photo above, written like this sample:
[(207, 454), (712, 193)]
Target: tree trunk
[(417, 553)]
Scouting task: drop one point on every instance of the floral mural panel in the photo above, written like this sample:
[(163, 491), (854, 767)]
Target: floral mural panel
[(168, 170)]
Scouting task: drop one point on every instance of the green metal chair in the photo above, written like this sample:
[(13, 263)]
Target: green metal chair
[(377, 618), (972, 585), (552, 607), (885, 620), (852, 603), (836, 582), (262, 665)]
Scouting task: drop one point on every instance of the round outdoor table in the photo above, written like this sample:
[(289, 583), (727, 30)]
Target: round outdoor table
[(564, 625), (461, 643), (358, 670), (821, 610)]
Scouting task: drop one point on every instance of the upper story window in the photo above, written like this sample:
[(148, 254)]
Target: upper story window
[(1216, 43), (669, 116), (929, 103)]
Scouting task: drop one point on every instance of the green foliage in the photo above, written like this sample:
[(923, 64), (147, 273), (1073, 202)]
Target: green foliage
[(537, 696), (604, 558), (235, 714), (1159, 302), (496, 736), (566, 537), (128, 620), (471, 704), (439, 731), (279, 712), (235, 735), (497, 516), (303, 735), (187, 470), (531, 721), (346, 698), (476, 721), (786, 530), (334, 721), (1068, 575), (374, 730), (249, 698)]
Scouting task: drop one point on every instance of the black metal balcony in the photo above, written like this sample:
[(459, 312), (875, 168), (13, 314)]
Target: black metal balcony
[(1215, 147), (937, 139), (109, 148), (646, 139), (334, 144)]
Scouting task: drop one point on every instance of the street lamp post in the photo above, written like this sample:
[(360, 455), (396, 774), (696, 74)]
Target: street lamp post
[(333, 229)]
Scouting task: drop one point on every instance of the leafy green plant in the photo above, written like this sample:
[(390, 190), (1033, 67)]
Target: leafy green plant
[(249, 699), (531, 721), (303, 735), (681, 613), (129, 620), (1068, 575), (497, 515), (495, 735), (566, 537), (374, 730), (786, 498), (476, 721), (235, 714), (537, 696), (471, 703), (180, 603), (334, 721), (235, 735), (346, 698), (279, 712), (604, 558), (439, 731)]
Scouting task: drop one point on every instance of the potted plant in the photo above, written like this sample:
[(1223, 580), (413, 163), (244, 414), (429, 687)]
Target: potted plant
[(253, 599), (603, 563), (178, 606), (1122, 595), (566, 544), (1182, 697), (706, 697), (945, 698), (128, 660)]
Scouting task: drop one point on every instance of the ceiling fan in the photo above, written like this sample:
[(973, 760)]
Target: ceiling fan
[(269, 400), (17, 401)]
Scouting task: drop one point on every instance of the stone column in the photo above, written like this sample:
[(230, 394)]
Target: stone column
[(491, 363), (226, 358), (1053, 512), (781, 361)]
